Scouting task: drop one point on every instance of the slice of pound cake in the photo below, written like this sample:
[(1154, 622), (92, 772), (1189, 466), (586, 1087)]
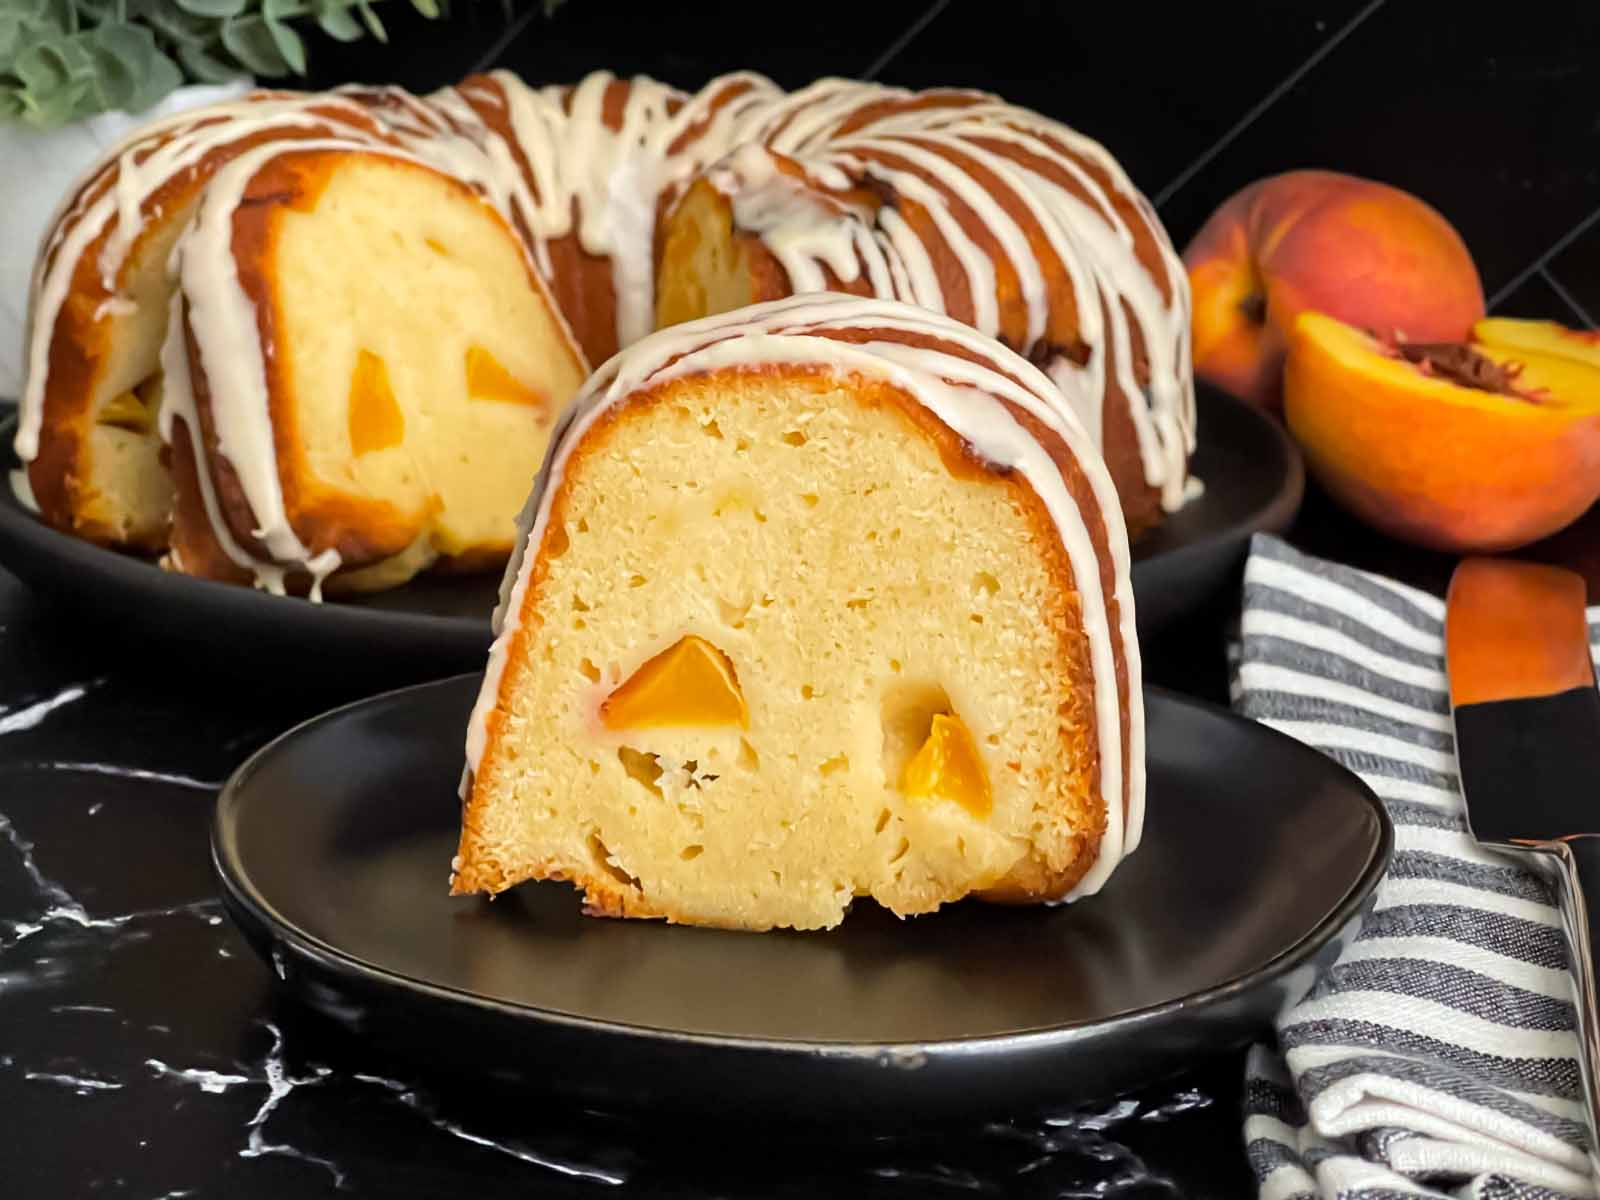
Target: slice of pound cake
[(360, 375), (817, 599)]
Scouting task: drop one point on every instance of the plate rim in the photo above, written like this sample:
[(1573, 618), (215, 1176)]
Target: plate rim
[(19, 525), (448, 634), (1274, 516), (238, 890)]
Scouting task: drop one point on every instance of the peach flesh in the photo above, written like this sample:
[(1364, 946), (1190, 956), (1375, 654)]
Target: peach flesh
[(691, 684), (1445, 452), (948, 768)]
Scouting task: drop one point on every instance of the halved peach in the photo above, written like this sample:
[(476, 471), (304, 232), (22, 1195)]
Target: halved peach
[(1453, 446)]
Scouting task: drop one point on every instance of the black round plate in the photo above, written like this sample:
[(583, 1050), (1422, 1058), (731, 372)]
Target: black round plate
[(435, 625), (1254, 482), (333, 845)]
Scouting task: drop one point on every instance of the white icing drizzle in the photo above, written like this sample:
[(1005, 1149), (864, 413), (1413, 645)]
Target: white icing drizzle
[(797, 225), (604, 184), (140, 166), (178, 400), (964, 395), (222, 318), (918, 154)]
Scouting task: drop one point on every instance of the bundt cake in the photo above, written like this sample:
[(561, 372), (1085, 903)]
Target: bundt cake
[(637, 205), (818, 599)]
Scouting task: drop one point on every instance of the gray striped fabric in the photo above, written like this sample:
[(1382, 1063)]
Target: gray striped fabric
[(1437, 1057)]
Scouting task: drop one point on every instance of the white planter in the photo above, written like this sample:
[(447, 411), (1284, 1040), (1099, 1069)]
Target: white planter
[(36, 169)]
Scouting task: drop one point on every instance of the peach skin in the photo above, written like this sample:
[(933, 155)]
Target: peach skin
[(1468, 449), (1367, 253)]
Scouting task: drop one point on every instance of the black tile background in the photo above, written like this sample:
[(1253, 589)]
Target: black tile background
[(1492, 115), (420, 54), (1577, 267), (1158, 90), (687, 43)]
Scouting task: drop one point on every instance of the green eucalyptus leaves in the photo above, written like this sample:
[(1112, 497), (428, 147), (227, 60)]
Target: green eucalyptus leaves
[(65, 59)]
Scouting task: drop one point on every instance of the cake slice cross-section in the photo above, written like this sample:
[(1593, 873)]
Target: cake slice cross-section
[(822, 599), (361, 372)]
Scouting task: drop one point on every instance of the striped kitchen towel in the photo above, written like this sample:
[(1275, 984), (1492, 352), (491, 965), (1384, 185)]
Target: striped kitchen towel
[(1437, 1057)]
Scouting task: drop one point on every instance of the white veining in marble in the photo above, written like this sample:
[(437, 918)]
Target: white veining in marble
[(31, 717), (1114, 1114), (273, 1073), (121, 772), (425, 1108), (60, 905), (82, 1084), (215, 1082), (62, 908), (1185, 1100), (280, 1084)]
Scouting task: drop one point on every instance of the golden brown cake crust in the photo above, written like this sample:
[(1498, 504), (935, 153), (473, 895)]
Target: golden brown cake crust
[(194, 548)]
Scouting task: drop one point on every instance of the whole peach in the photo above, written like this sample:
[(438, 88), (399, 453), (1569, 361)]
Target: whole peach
[(1369, 254)]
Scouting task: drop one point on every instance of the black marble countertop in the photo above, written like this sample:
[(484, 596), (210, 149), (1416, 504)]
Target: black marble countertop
[(144, 1052)]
